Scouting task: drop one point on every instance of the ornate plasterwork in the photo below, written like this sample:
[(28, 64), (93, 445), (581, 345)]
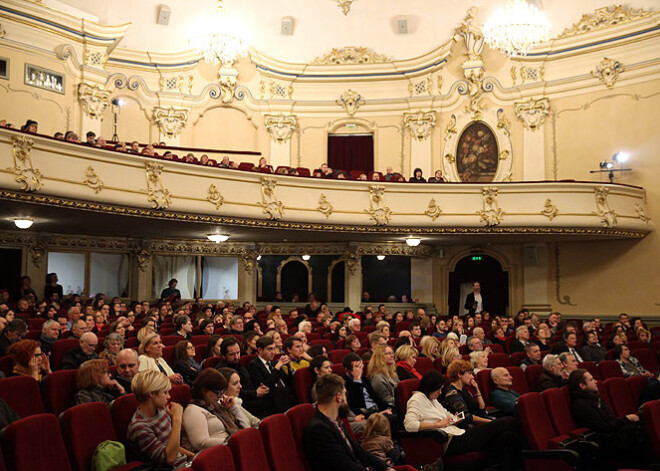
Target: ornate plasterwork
[(419, 88), (503, 123), (276, 89), (183, 83), (214, 197), (37, 255), (607, 215), (353, 261), (350, 55), (475, 78), (450, 129), (158, 195), (565, 300), (351, 101), (533, 112), (324, 206), (170, 120), (92, 180), (281, 126), (420, 124), (527, 74), (491, 213), (549, 209), (93, 100), (95, 58), (249, 261), (30, 178), (345, 5), (608, 72), (227, 82), (471, 32), (641, 213), (603, 18), (377, 211), (143, 258), (433, 210), (273, 207)]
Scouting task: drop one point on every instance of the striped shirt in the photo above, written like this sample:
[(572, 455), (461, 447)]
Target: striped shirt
[(149, 435)]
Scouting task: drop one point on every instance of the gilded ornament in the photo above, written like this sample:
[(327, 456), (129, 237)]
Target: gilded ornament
[(92, 180), (378, 212), (345, 5), (607, 215), (249, 261), (93, 100), (214, 197), (549, 210), (641, 213), (281, 126), (471, 32), (504, 154), (273, 207), (158, 195), (438, 83), (29, 177), (503, 122), (450, 130), (450, 158), (528, 73), (533, 112), (351, 101), (143, 258), (350, 55), (604, 18), (420, 124), (170, 120), (423, 87), (608, 72), (491, 214), (566, 300), (37, 255), (95, 58), (182, 83), (324, 206), (475, 77), (227, 84), (353, 261), (433, 211)]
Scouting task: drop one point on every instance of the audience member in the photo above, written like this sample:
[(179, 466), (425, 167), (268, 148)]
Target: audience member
[(113, 344), (127, 368), (95, 385), (382, 373), (293, 347), (183, 327), (593, 350), (552, 375), (479, 361), (377, 440), (151, 358), (29, 359), (185, 363), (15, 331), (50, 332), (521, 340), (630, 365), (265, 371), (568, 364), (86, 350), (233, 390), (532, 356), (360, 395), (457, 398), (502, 396)]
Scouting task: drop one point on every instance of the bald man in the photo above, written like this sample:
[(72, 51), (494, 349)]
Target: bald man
[(86, 350), (127, 368), (503, 397)]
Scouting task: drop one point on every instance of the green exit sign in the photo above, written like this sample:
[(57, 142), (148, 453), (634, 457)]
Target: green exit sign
[(476, 258)]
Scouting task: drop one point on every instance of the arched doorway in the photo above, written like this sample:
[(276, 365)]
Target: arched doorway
[(294, 276), (494, 284)]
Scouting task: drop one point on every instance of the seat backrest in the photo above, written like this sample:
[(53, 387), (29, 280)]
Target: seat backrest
[(325, 342), (485, 384), (423, 365), (591, 367), (535, 421), (302, 380), (211, 362), (620, 397), (646, 358), (7, 365), (180, 393), (610, 369), (338, 369), (496, 360), (83, 428), (35, 443), (532, 374), (517, 357), (496, 347), (299, 417), (22, 394), (279, 444), (636, 385), (519, 381), (60, 347), (245, 359), (59, 387), (557, 401), (122, 411), (197, 340), (651, 412), (604, 393), (213, 459), (404, 390), (168, 355), (248, 450), (337, 356)]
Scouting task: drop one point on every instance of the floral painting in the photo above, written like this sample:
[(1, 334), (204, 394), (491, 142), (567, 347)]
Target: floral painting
[(477, 154)]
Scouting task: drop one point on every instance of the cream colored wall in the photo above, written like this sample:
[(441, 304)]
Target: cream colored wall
[(132, 122), (224, 128), (607, 278)]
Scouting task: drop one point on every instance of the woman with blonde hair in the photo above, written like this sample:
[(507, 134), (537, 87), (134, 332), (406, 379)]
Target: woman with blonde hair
[(430, 347), (382, 374), (94, 383), (384, 328), (479, 361), (279, 343), (406, 357), (144, 332), (450, 355), (151, 358)]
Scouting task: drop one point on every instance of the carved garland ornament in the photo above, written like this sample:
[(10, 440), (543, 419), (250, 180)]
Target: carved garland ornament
[(607, 215), (281, 126), (641, 213), (433, 211), (170, 120), (351, 101), (214, 197), (158, 195), (324, 206), (491, 214), (420, 124), (350, 55), (345, 5), (92, 180), (378, 212), (533, 112), (273, 207), (249, 261), (29, 177), (549, 210), (37, 255), (608, 72), (603, 18), (143, 258), (353, 261), (93, 100)]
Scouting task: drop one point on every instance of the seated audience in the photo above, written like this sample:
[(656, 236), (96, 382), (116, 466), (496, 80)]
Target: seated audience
[(319, 366), (479, 361), (50, 332), (155, 429), (375, 338), (264, 371), (532, 355), (127, 368), (457, 398), (277, 338), (629, 364), (95, 385), (293, 347), (183, 327), (184, 362), (382, 374), (542, 336), (417, 176), (651, 390), (86, 350), (437, 177), (406, 357), (113, 344), (249, 345), (377, 440), (233, 390), (430, 347), (213, 348), (29, 359), (521, 340), (568, 364), (353, 343), (502, 396), (360, 395), (15, 331), (552, 376), (593, 350), (151, 358)]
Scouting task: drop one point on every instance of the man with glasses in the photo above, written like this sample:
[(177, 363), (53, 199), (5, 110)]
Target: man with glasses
[(127, 368), (86, 350)]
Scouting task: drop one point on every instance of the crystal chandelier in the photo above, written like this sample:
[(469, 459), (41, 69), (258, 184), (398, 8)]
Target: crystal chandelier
[(219, 40), (517, 28)]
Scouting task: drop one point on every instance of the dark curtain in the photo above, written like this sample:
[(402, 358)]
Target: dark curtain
[(351, 153), (494, 284)]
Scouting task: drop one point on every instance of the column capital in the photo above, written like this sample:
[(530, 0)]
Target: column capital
[(533, 112)]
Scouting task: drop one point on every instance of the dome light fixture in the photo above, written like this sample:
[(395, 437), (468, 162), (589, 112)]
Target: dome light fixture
[(380, 257), (258, 257), (217, 238), (306, 257), (23, 223), (517, 28), (413, 241)]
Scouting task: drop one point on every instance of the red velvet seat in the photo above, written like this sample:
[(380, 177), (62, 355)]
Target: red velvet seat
[(496, 360), (304, 172), (517, 357), (485, 384), (279, 444), (423, 365), (166, 330), (197, 340), (122, 411), (326, 343), (558, 404), (60, 347), (35, 444), (496, 347), (299, 417), (211, 362), (245, 359), (637, 344), (610, 369), (168, 355), (181, 394), (22, 394), (59, 387), (536, 423), (171, 340), (651, 412), (437, 364), (636, 385), (302, 380), (647, 359), (621, 398), (591, 367), (519, 381), (338, 369), (200, 353), (248, 450), (213, 459), (7, 365), (532, 375), (337, 356), (604, 393)]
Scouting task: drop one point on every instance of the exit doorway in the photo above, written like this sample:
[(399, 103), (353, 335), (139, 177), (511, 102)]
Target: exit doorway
[(493, 279)]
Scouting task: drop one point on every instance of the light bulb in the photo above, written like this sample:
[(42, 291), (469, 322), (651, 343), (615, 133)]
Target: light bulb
[(23, 223), (306, 257), (217, 238), (413, 241), (380, 257)]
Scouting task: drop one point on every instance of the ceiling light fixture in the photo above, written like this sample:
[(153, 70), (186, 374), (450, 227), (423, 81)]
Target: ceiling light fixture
[(219, 39), (258, 257), (217, 238), (306, 257), (380, 257), (23, 223), (413, 241), (517, 28)]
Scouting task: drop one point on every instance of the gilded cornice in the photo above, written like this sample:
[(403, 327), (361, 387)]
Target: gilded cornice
[(350, 55), (603, 18)]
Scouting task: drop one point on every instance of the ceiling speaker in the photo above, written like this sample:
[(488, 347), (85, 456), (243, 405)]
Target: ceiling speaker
[(402, 26), (164, 13), (287, 26)]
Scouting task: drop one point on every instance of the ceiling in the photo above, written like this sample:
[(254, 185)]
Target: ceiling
[(319, 25)]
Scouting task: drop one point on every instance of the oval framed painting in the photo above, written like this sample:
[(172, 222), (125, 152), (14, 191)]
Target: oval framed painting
[(477, 154)]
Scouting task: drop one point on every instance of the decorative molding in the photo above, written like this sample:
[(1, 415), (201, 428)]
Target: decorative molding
[(607, 215), (214, 197), (451, 158), (378, 212), (491, 214), (603, 18), (471, 32), (227, 83), (533, 112), (503, 123), (143, 258), (276, 89), (281, 126), (95, 58), (345, 5), (30, 178), (420, 88), (93, 100), (475, 78), (565, 300), (351, 101), (433, 210), (158, 195), (183, 83), (350, 55), (92, 180), (420, 124), (248, 260), (37, 255), (549, 209), (641, 213), (170, 120), (527, 74), (324, 206), (273, 207), (450, 129), (608, 72), (353, 261)]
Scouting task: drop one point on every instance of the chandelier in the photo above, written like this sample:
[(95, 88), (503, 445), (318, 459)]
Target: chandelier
[(218, 40), (517, 28)]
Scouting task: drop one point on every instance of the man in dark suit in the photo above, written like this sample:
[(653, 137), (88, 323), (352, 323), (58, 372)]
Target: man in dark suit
[(474, 302), (521, 340), (327, 445), (263, 370)]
